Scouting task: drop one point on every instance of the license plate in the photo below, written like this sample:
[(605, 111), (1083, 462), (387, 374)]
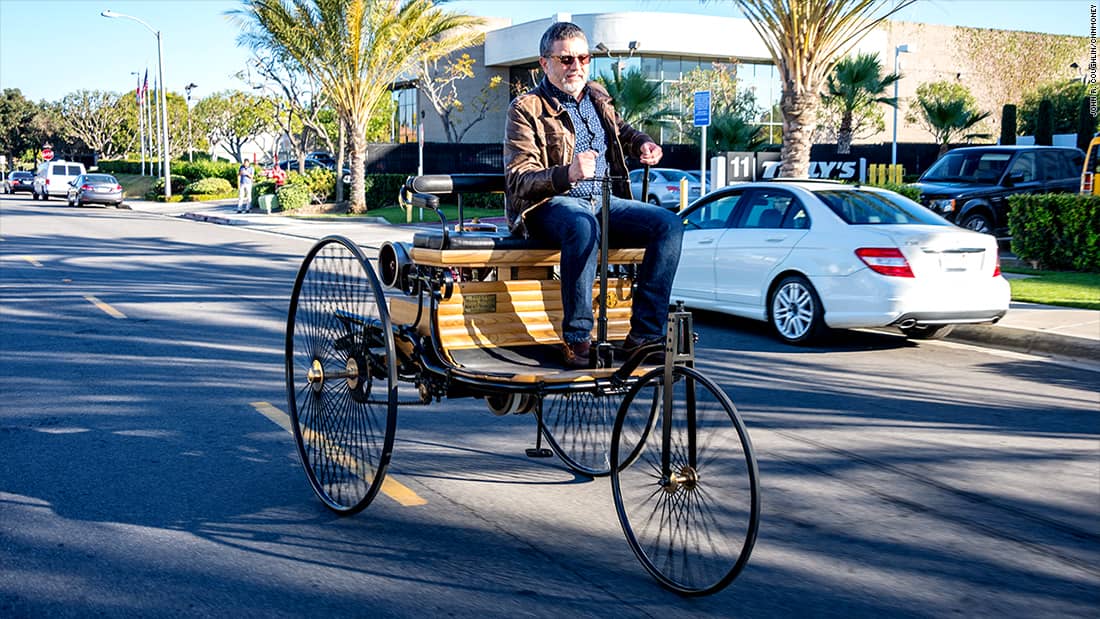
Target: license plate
[(955, 263)]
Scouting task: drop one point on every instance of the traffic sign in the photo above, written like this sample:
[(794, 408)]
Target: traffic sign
[(47, 154), (701, 113)]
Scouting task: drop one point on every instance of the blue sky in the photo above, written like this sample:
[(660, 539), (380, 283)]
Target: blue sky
[(49, 48)]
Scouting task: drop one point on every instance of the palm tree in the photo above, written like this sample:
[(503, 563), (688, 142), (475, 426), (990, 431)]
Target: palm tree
[(948, 120), (857, 82), (730, 132), (806, 39), (355, 49), (637, 100)]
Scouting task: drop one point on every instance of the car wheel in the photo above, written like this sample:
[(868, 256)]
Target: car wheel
[(978, 223), (927, 332), (795, 311), (654, 201)]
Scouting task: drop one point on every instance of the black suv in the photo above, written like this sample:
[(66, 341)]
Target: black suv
[(970, 186)]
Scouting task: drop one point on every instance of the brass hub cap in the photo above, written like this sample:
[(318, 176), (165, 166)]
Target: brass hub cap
[(316, 375), (687, 478)]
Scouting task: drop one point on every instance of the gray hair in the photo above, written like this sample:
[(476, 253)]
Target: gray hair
[(559, 31)]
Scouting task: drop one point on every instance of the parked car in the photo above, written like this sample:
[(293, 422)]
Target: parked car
[(970, 186), (324, 157), (53, 178), (311, 164), (19, 181), (807, 256), (664, 187), (94, 189)]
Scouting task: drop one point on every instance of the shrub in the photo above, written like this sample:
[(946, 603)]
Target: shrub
[(179, 183), (208, 187), (201, 169), (1058, 231), (261, 188), (120, 166), (382, 189), (293, 196), (906, 190), (321, 183)]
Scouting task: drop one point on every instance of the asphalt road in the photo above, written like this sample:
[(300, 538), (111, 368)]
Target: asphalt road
[(145, 468)]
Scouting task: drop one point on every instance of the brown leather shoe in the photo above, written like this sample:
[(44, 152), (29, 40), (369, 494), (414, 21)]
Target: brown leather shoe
[(633, 343), (576, 353)]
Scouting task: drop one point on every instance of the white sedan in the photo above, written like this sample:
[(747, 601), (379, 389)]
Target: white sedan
[(808, 255)]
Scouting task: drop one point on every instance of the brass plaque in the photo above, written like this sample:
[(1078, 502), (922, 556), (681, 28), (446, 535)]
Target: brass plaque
[(479, 304)]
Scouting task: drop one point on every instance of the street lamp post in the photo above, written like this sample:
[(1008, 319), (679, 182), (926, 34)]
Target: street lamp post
[(900, 49), (188, 88), (167, 172)]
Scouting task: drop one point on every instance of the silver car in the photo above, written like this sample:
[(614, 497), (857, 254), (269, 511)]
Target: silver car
[(664, 187), (94, 189)]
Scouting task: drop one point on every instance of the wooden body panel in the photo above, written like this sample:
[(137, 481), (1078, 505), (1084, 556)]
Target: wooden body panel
[(504, 258)]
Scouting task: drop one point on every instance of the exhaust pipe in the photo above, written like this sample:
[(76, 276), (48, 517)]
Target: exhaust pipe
[(908, 322), (394, 265)]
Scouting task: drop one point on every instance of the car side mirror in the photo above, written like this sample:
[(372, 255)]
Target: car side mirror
[(1013, 179)]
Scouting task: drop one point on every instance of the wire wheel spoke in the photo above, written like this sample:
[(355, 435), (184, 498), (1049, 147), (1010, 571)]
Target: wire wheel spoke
[(578, 426), (691, 523), (342, 395)]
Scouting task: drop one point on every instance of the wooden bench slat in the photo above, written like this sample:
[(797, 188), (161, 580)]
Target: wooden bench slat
[(506, 258)]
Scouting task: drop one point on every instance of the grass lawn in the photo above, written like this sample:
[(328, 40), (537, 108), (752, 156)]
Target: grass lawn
[(135, 185), (1065, 288)]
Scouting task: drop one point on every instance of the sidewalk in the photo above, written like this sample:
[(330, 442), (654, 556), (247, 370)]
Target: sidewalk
[(1027, 328)]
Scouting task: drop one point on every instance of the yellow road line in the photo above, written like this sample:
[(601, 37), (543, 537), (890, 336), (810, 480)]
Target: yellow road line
[(110, 311), (390, 487), (32, 261)]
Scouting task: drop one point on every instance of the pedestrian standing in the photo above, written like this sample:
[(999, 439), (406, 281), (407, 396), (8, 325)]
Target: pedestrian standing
[(244, 187)]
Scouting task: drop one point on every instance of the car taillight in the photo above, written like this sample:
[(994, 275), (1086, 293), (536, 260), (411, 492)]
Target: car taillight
[(997, 266), (118, 187), (1086, 183), (86, 187), (672, 188), (885, 261)]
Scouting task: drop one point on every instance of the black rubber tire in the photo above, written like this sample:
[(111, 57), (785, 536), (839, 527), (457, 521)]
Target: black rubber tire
[(795, 311), (978, 222), (654, 201), (578, 426), (338, 323), (696, 535), (928, 332)]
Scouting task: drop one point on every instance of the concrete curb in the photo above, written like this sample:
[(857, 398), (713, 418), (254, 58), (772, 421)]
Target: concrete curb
[(1027, 341)]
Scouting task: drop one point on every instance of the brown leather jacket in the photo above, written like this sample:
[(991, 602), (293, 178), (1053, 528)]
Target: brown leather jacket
[(538, 148)]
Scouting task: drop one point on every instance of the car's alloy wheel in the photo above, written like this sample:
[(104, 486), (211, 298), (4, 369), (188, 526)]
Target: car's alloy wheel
[(795, 311), (654, 201), (978, 223)]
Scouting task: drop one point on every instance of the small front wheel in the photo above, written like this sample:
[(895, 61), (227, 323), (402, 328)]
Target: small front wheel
[(341, 375), (578, 426), (686, 481)]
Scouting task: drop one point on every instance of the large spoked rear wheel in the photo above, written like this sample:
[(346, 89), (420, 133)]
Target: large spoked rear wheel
[(686, 486), (341, 375), (578, 426)]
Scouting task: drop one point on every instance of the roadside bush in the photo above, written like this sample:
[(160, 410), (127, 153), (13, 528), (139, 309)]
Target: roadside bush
[(906, 190), (293, 196), (1057, 231), (261, 188), (120, 166), (201, 169), (322, 184), (382, 189), (208, 188), (179, 183)]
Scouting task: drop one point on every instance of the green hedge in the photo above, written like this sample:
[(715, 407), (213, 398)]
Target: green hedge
[(261, 188), (1058, 231), (382, 189), (179, 183), (293, 196), (201, 169), (207, 188), (906, 190)]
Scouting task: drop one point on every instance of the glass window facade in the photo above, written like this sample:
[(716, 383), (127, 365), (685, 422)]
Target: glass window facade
[(405, 117)]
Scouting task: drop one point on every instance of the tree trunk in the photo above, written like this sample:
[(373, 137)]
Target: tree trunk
[(340, 161), (799, 121), (844, 135), (358, 166)]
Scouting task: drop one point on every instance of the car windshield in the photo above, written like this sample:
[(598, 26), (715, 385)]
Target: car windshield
[(872, 208), (100, 178), (969, 167)]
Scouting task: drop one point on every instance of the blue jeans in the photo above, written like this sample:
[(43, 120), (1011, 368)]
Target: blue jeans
[(574, 225)]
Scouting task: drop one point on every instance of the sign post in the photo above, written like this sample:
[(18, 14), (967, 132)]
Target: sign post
[(701, 118)]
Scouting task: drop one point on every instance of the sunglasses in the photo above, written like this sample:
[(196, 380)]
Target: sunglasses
[(568, 60)]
